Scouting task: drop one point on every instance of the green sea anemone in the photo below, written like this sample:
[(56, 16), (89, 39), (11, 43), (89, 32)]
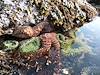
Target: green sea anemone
[(30, 45), (10, 45), (60, 37)]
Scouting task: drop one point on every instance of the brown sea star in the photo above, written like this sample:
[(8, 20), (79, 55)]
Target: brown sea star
[(44, 31)]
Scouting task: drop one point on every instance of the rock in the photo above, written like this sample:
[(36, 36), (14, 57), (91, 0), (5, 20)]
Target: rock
[(66, 14), (65, 71), (98, 9), (96, 2)]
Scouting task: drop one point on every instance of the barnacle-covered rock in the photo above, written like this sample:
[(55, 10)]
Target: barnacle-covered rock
[(10, 45), (58, 15), (66, 14), (90, 70), (30, 45)]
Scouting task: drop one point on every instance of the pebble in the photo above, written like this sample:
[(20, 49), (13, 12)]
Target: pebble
[(65, 71)]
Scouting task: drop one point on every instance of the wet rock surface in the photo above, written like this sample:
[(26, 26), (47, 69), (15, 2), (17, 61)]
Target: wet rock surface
[(23, 19), (95, 3)]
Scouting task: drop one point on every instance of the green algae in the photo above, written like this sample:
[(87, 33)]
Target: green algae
[(76, 47), (73, 46)]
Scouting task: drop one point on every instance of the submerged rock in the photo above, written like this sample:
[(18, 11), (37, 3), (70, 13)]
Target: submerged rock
[(73, 46), (65, 71), (90, 70), (76, 47), (47, 16)]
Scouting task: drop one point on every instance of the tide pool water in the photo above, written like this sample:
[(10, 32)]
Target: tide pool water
[(86, 64)]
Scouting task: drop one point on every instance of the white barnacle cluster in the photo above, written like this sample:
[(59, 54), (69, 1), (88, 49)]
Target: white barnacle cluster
[(64, 13), (4, 21), (19, 12)]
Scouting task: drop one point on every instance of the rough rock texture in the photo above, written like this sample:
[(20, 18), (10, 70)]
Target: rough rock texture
[(62, 13), (96, 4), (42, 18)]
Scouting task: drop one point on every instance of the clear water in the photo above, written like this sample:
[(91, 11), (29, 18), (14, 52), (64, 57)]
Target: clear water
[(88, 64)]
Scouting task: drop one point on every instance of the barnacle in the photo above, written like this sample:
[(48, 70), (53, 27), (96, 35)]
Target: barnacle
[(67, 14), (47, 16)]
